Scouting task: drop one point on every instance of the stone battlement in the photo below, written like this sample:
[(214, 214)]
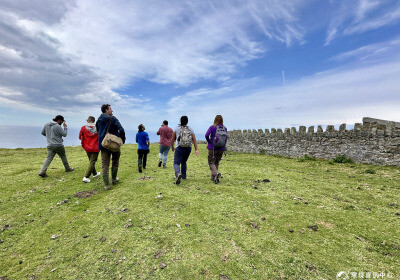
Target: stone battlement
[(374, 141)]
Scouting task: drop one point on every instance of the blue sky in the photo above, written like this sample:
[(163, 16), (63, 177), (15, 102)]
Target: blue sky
[(261, 64)]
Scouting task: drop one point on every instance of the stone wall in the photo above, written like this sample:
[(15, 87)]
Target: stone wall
[(373, 142)]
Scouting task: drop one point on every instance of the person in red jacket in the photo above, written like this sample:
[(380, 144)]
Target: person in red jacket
[(90, 143)]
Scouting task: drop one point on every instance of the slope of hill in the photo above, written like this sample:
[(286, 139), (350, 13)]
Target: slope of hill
[(269, 218)]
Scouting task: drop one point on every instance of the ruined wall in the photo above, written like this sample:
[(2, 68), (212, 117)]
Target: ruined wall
[(373, 142)]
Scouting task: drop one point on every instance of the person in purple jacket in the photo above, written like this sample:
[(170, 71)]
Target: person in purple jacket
[(216, 137)]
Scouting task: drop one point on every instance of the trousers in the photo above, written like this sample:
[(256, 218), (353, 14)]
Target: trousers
[(180, 158), (92, 164), (51, 152)]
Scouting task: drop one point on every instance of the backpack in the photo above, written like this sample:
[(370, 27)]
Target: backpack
[(220, 137), (185, 137)]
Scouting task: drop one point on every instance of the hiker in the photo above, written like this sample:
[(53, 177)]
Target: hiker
[(142, 138), (165, 133), (104, 122), (184, 137), (216, 137), (54, 134), (90, 143)]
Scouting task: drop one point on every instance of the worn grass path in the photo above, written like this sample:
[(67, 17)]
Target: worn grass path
[(312, 219)]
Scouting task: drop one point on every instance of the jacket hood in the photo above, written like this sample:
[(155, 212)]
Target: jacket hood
[(91, 128)]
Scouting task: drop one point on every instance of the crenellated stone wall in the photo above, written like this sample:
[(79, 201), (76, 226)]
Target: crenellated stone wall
[(374, 142)]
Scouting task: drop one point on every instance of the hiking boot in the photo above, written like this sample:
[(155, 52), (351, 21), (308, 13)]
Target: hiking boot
[(86, 180), (114, 178), (106, 180), (115, 181), (164, 166), (140, 169), (43, 174), (97, 175), (216, 180), (107, 187), (69, 169), (178, 179), (159, 162)]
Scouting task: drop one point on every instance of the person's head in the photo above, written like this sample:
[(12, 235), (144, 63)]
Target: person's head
[(106, 109), (141, 127), (218, 120), (91, 119), (184, 120), (59, 119), (165, 122)]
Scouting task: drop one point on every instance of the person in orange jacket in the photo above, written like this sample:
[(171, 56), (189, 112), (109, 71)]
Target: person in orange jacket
[(90, 143)]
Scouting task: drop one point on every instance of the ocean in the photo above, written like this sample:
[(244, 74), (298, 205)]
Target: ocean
[(13, 137)]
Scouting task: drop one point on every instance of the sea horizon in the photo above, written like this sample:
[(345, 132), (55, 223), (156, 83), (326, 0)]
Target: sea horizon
[(15, 137)]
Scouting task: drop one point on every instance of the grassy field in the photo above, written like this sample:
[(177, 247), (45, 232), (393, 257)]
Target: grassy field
[(269, 218)]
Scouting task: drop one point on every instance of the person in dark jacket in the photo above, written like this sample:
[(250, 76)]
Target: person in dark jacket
[(106, 155), (215, 153), (90, 143), (54, 134)]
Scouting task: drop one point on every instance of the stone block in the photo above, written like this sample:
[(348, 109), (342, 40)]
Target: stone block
[(310, 129), (342, 127), (302, 129), (330, 128), (357, 127), (319, 129)]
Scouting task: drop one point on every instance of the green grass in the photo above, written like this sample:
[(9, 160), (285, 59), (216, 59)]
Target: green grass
[(313, 219)]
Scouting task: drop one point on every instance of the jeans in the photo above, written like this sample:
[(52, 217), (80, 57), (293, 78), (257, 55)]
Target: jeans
[(163, 151), (142, 157), (180, 158), (214, 157), (51, 152), (92, 164)]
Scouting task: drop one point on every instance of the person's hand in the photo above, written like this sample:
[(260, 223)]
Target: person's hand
[(172, 148), (197, 152), (64, 124)]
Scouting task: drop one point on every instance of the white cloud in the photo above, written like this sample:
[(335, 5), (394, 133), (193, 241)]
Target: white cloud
[(79, 52), (372, 52), (350, 17), (172, 42), (337, 96)]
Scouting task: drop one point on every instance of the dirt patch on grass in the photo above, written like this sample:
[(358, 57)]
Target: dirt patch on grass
[(145, 178), (325, 224), (85, 194)]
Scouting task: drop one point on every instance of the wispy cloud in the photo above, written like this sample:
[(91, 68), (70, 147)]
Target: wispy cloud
[(80, 52), (182, 43), (336, 96), (350, 17), (373, 52)]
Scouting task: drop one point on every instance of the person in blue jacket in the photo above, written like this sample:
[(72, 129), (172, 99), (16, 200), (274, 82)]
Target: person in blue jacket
[(142, 138), (107, 155)]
